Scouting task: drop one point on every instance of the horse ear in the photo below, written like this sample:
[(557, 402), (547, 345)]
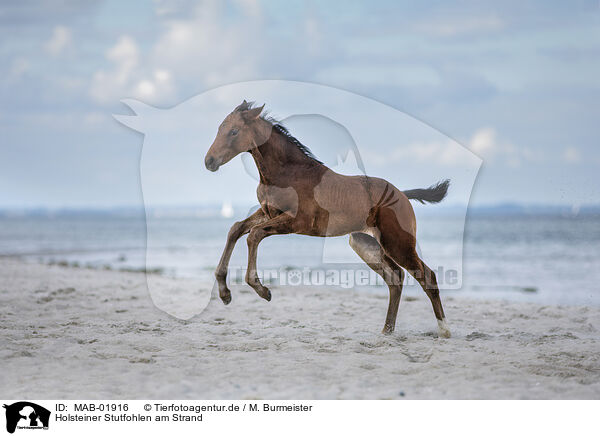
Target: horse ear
[(252, 114), (241, 107)]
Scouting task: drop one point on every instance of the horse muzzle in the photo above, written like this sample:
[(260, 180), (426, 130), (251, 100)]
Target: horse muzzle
[(212, 164)]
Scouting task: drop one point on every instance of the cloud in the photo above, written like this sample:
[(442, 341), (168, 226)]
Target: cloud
[(211, 48), (203, 47), (129, 77), (125, 52), (19, 67), (444, 153), (60, 40), (110, 85), (358, 73), (572, 155), (483, 141), (486, 145), (461, 25)]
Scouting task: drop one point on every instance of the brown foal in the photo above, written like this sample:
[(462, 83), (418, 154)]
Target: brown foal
[(299, 194)]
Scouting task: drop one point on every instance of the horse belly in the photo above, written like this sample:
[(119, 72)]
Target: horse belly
[(340, 224), (274, 200), (345, 201)]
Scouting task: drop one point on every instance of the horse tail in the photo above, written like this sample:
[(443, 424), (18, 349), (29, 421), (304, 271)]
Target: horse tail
[(433, 194)]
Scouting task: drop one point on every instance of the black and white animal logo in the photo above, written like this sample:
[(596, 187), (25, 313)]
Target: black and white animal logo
[(26, 415)]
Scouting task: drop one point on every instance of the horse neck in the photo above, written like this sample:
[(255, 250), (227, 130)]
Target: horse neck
[(276, 158)]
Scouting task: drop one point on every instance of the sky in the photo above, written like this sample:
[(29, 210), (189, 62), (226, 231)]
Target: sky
[(516, 82)]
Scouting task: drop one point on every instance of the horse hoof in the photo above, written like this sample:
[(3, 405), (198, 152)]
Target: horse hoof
[(445, 334), (266, 294), (444, 331), (226, 298)]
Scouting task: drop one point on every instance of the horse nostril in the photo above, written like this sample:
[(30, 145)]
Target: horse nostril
[(212, 164)]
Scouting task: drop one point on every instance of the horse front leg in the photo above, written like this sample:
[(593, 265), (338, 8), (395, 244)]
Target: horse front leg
[(237, 230), (279, 225)]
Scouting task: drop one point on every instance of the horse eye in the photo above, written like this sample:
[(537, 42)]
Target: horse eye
[(233, 132)]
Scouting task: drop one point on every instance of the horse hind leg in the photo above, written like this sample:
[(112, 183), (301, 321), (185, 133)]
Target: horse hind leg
[(372, 254), (428, 281), (400, 246)]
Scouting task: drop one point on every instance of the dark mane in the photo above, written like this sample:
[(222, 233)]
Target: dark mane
[(281, 129), (294, 141)]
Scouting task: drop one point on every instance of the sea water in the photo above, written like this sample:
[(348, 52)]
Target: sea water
[(549, 259)]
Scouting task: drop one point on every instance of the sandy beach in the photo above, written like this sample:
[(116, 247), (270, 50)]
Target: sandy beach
[(82, 333)]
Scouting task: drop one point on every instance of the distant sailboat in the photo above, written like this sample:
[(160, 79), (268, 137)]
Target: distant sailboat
[(227, 210)]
